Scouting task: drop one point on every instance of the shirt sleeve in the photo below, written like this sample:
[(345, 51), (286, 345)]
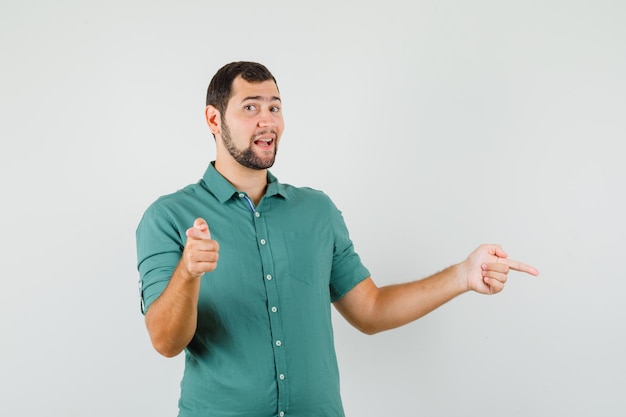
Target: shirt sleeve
[(159, 248), (347, 270)]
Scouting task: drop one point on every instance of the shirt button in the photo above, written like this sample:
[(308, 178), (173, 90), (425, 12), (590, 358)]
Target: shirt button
[(274, 309), (241, 195), (269, 277), (281, 414), (257, 214), (263, 242), (278, 343), (281, 376)]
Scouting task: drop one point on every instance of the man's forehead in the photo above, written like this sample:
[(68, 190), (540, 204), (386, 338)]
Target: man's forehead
[(243, 89)]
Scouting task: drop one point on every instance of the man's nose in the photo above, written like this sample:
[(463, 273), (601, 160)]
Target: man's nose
[(267, 118)]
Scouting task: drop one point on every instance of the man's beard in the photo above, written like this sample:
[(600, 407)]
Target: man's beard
[(247, 157)]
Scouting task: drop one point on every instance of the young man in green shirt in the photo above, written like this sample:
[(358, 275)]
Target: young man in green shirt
[(240, 270)]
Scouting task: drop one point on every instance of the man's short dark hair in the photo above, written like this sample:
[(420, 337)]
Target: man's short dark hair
[(220, 88)]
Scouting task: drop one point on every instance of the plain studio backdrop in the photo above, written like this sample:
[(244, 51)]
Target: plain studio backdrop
[(434, 126)]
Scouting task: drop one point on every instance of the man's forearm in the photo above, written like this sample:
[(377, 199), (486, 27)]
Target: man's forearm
[(371, 309), (400, 304), (172, 318)]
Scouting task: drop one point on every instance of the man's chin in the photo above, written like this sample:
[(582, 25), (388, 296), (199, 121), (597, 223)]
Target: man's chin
[(251, 159), (258, 164), (264, 162), (266, 165)]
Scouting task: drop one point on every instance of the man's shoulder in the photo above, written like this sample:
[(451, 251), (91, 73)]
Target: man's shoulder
[(308, 199), (305, 192), (183, 196)]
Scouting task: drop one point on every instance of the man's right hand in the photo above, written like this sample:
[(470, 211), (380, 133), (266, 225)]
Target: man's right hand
[(201, 252)]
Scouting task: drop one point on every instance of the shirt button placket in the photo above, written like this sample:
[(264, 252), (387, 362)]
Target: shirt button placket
[(273, 306)]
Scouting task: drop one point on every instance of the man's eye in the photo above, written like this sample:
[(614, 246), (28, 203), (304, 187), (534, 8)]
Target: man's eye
[(250, 107), (274, 109)]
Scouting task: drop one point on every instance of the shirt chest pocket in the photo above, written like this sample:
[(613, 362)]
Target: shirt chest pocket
[(309, 257)]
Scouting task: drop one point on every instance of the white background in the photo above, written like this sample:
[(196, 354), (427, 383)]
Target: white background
[(434, 125)]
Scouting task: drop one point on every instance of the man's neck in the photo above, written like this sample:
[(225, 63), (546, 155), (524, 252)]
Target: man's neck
[(253, 182)]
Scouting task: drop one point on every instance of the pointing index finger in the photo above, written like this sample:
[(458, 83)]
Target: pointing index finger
[(199, 225), (520, 266)]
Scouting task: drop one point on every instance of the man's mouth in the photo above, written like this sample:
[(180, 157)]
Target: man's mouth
[(264, 142)]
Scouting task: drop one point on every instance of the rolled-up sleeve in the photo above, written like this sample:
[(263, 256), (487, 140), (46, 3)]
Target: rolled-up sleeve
[(159, 248)]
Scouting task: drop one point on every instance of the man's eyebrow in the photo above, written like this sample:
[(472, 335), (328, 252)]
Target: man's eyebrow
[(262, 98)]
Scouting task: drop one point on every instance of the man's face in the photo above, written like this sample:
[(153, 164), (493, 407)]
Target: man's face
[(253, 123)]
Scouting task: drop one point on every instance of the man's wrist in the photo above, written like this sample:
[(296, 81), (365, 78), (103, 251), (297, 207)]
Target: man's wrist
[(184, 273), (459, 272)]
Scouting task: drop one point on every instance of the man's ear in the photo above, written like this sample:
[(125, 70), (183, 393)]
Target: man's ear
[(213, 119)]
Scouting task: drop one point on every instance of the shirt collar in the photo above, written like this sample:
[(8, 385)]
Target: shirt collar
[(224, 190)]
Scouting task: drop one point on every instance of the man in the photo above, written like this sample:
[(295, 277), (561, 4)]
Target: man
[(239, 271)]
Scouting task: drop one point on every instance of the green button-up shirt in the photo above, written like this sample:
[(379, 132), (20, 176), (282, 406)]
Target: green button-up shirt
[(264, 342)]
